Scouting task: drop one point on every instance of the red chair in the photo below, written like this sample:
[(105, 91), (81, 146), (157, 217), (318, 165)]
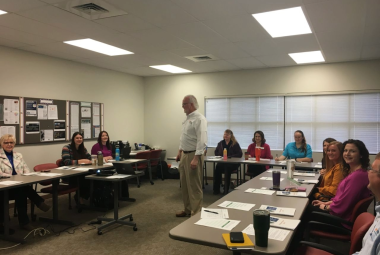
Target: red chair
[(144, 165), (155, 160), (361, 226), (338, 233)]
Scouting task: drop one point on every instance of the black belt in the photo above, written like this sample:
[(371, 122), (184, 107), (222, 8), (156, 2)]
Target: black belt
[(186, 152)]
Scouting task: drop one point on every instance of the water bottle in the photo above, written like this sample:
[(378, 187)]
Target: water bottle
[(100, 158), (225, 154), (117, 153)]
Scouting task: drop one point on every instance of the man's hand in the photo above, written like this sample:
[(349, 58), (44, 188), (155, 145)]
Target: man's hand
[(194, 162), (178, 158)]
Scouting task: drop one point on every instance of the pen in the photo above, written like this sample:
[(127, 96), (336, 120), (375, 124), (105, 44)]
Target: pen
[(211, 211)]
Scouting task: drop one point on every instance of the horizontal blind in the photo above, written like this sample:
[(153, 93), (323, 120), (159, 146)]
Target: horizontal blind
[(244, 116)]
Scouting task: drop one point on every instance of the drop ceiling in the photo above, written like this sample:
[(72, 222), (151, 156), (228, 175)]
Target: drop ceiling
[(161, 32)]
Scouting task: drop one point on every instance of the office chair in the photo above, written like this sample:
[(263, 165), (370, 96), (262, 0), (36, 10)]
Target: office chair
[(155, 161), (144, 165), (362, 223)]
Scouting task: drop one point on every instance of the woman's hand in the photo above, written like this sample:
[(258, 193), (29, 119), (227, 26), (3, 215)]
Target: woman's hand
[(84, 161), (322, 172), (107, 158), (317, 203)]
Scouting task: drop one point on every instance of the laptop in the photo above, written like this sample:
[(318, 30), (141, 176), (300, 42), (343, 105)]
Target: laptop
[(123, 168)]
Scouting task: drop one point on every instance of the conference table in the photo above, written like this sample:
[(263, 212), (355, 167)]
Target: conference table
[(188, 231)]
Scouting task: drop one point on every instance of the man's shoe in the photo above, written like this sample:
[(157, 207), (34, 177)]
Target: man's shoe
[(182, 214), (44, 207), (28, 227)]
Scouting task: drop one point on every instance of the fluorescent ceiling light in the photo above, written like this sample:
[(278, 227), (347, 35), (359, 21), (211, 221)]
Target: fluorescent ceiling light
[(171, 69), (99, 47), (307, 57), (284, 22), (2, 12)]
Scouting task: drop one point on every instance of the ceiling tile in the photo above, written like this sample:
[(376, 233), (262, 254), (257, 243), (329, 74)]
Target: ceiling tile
[(370, 52), (276, 60), (226, 51), (341, 54), (19, 5), (30, 26), (22, 37), (195, 33), (298, 43), (258, 6), (125, 23), (12, 44), (186, 52), (260, 47), (145, 71), (340, 38), (49, 52), (211, 9), (246, 63), (237, 28), (158, 13)]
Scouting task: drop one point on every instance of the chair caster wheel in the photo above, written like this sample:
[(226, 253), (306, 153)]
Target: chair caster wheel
[(100, 233), (135, 228)]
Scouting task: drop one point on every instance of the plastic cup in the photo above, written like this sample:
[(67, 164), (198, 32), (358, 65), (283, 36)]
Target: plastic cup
[(257, 153), (261, 222), (246, 155), (276, 179)]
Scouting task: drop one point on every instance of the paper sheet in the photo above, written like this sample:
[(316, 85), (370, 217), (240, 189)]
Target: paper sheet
[(270, 179), (304, 174), (211, 213), (306, 181), (274, 233), (8, 183), (7, 130), (86, 128), (291, 194), (86, 112), (118, 176), (42, 112), (95, 114), (49, 174), (260, 191), (237, 205), (32, 127), (80, 169), (31, 108), (284, 223), (74, 118), (65, 167), (52, 112), (224, 224), (279, 210), (46, 135), (282, 171)]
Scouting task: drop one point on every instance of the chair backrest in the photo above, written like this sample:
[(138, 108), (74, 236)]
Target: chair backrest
[(362, 223), (58, 162), (47, 166), (361, 207), (155, 157), (143, 155)]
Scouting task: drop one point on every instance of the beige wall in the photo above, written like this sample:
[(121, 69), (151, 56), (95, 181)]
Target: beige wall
[(33, 75), (163, 95)]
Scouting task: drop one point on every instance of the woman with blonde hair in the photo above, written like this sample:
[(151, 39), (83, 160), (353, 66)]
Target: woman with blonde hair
[(233, 151), (334, 173)]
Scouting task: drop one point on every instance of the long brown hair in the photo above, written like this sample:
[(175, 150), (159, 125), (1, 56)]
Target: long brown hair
[(303, 147), (233, 139), (324, 156)]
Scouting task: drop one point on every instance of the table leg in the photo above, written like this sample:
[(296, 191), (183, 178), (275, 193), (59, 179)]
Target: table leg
[(6, 236), (226, 183), (150, 173)]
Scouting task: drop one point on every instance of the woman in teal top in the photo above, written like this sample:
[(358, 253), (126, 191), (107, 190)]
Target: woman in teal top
[(298, 150)]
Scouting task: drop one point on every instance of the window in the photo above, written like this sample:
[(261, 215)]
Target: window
[(244, 116), (355, 116)]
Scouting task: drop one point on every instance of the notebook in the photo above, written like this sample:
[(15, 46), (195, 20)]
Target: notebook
[(247, 245)]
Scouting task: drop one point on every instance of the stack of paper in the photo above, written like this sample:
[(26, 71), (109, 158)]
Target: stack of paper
[(306, 181), (8, 183), (284, 223), (208, 213), (282, 171), (218, 223), (304, 174), (237, 205), (291, 194), (279, 210), (274, 233), (260, 191)]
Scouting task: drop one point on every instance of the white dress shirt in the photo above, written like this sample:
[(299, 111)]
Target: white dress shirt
[(194, 133)]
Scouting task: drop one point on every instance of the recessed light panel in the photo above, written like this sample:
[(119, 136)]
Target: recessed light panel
[(99, 47), (284, 22), (2, 12), (307, 57), (171, 69)]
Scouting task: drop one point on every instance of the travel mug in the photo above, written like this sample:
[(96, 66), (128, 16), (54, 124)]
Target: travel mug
[(276, 179), (261, 221), (257, 153), (246, 155)]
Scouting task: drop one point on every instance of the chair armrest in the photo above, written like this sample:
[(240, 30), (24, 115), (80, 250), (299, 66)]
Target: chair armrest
[(329, 216), (321, 247), (313, 225)]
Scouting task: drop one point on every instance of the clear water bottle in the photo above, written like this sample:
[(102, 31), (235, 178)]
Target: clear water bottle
[(100, 158), (117, 153)]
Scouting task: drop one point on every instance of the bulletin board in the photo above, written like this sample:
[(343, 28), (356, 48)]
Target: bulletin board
[(10, 116)]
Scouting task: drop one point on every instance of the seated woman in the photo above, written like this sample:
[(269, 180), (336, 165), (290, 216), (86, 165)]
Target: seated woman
[(325, 144), (74, 154), (103, 145), (351, 189), (258, 141), (12, 163), (233, 151), (334, 172), (298, 150)]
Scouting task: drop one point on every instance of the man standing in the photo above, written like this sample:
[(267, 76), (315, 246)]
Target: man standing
[(371, 240), (193, 143)]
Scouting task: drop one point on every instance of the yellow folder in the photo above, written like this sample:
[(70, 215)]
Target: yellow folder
[(235, 246)]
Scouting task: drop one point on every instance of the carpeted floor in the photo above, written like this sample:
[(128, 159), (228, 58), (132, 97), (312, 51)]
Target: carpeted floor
[(154, 213)]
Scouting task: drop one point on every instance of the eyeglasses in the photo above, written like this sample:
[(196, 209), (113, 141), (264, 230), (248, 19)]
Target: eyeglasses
[(183, 104), (373, 170), (7, 143)]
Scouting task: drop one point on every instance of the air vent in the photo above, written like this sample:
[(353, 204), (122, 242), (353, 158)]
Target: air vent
[(202, 58), (90, 9)]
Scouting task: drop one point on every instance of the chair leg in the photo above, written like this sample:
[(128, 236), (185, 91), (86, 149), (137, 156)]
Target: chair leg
[(70, 201), (15, 210), (162, 174)]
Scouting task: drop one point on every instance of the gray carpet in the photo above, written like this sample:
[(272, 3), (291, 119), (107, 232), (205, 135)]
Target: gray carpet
[(154, 213)]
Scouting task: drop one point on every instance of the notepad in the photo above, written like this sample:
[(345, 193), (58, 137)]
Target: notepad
[(8, 183), (237, 205), (291, 194), (273, 233), (260, 191), (279, 210), (284, 223), (247, 245), (225, 224)]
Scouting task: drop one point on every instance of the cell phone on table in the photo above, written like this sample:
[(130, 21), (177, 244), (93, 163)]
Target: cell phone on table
[(236, 237)]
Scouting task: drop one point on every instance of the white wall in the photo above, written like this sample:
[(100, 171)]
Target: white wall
[(163, 95), (33, 75)]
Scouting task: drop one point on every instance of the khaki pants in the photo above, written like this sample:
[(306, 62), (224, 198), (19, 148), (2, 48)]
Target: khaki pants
[(191, 183)]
